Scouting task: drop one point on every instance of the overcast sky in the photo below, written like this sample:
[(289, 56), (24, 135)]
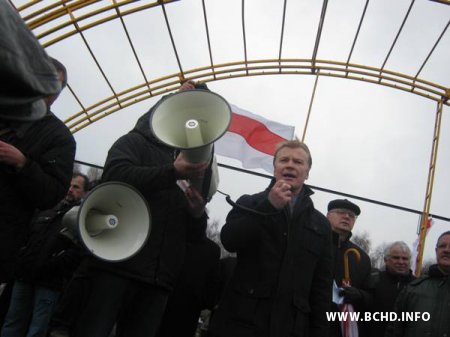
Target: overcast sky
[(366, 139)]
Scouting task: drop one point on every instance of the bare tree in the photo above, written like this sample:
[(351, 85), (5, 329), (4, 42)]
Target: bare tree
[(363, 241), (377, 256), (77, 167), (94, 174), (213, 233)]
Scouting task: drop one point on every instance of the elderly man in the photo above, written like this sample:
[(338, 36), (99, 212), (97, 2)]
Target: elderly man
[(342, 215), (396, 276), (428, 298), (281, 285)]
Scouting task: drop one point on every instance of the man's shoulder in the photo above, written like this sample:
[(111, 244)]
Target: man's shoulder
[(434, 276), (365, 261), (136, 138), (357, 247), (319, 216), (320, 221), (422, 285), (249, 198), (50, 124), (419, 281)]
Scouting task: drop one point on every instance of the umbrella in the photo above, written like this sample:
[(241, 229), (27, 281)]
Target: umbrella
[(349, 327)]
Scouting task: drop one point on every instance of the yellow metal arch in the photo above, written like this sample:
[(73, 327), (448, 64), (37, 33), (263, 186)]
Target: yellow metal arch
[(60, 9), (336, 69)]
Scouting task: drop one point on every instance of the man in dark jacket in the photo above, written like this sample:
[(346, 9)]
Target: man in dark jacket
[(356, 281), (422, 308), (281, 284), (389, 283), (45, 264), (134, 292), (36, 163)]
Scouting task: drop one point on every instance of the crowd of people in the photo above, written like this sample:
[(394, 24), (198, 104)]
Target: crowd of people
[(293, 266)]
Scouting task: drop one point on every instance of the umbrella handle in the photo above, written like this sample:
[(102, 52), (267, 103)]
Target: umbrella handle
[(346, 280)]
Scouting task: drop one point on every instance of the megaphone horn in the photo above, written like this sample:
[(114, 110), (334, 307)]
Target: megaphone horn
[(192, 120), (113, 222)]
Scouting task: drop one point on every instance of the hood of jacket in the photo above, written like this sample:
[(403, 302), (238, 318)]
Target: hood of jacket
[(143, 127)]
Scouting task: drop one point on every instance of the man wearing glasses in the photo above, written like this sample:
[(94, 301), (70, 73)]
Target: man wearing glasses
[(351, 263)]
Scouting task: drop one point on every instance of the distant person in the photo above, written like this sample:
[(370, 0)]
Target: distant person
[(197, 287), (73, 298), (45, 265), (134, 292), (281, 284), (427, 297), (389, 282), (342, 215), (36, 161)]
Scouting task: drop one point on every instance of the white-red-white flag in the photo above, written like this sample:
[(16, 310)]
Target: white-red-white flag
[(252, 139), (349, 327)]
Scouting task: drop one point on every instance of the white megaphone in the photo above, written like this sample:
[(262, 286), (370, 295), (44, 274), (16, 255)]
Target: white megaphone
[(192, 120), (113, 222)]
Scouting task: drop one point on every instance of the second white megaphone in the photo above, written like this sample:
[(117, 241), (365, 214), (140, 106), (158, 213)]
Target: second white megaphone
[(113, 222), (192, 120)]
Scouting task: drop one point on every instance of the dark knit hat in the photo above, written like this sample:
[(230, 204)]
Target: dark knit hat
[(344, 204)]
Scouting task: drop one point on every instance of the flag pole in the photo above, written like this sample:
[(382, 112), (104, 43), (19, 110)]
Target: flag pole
[(429, 192), (310, 106)]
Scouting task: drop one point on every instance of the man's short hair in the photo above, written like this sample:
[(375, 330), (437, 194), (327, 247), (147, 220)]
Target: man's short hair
[(60, 68), (293, 144), (86, 182), (401, 244), (440, 237)]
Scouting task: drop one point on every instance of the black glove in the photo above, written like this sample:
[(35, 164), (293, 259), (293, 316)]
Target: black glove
[(351, 295)]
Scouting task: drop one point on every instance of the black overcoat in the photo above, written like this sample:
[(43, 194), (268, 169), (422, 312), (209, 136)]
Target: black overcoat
[(281, 284), (138, 159), (44, 180)]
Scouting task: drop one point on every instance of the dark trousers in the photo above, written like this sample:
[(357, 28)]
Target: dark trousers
[(72, 302), (136, 307)]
